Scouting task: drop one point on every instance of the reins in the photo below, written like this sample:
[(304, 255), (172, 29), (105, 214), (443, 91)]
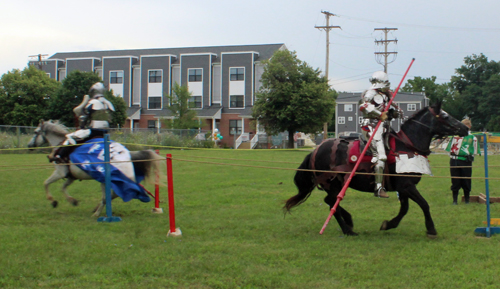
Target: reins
[(41, 133), (401, 135)]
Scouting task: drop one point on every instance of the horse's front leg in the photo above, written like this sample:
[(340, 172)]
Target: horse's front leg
[(429, 223), (69, 198), (394, 223), (56, 175)]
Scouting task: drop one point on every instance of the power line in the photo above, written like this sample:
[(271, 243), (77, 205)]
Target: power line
[(423, 26)]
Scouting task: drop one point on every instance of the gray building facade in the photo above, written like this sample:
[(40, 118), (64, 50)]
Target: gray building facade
[(223, 81), (348, 116)]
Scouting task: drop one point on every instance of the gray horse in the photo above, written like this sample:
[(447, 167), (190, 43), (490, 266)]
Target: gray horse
[(54, 133)]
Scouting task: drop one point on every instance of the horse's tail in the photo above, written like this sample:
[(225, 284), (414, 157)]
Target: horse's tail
[(304, 180), (147, 163)]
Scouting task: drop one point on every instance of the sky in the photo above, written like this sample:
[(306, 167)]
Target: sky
[(439, 34)]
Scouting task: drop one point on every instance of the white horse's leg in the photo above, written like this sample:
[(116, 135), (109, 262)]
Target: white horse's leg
[(58, 174), (69, 198), (101, 204)]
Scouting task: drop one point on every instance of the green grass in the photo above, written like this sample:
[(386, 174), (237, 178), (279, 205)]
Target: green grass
[(235, 234)]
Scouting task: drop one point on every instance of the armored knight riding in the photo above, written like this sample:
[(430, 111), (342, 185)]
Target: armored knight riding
[(93, 116), (373, 104)]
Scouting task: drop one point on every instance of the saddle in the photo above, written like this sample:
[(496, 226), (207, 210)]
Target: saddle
[(356, 147), (61, 154)]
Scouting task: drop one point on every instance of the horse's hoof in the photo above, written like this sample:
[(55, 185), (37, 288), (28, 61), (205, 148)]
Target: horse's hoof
[(54, 204), (432, 236), (74, 203), (384, 226), (351, 234)]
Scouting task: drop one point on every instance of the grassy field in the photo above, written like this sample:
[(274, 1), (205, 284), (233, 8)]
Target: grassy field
[(235, 234)]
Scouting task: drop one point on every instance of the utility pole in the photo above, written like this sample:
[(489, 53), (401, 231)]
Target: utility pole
[(40, 57), (386, 53), (327, 28)]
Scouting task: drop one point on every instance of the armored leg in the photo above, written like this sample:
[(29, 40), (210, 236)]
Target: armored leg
[(379, 158), (379, 178)]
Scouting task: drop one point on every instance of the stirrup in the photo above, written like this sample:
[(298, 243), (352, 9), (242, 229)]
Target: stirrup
[(381, 193), (58, 159), (52, 158)]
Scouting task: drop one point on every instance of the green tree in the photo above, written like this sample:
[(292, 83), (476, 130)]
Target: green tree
[(490, 102), (74, 87), (24, 96), (434, 91), (293, 97), (184, 117), (476, 83), (119, 116)]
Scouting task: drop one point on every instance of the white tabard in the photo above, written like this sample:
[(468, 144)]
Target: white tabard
[(417, 164)]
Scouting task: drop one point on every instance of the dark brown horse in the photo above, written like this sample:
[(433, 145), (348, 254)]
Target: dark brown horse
[(339, 155)]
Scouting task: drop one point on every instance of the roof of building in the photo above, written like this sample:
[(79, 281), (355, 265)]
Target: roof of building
[(400, 97), (265, 51)]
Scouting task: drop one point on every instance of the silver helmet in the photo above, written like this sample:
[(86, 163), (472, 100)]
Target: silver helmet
[(379, 80), (97, 90)]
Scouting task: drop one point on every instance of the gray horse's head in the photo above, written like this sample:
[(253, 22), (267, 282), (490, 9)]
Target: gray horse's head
[(46, 131), (38, 138)]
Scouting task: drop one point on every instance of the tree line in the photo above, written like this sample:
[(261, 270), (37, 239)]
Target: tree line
[(293, 96), (29, 95), (473, 92)]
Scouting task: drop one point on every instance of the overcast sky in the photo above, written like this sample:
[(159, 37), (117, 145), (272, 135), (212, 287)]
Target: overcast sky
[(437, 33)]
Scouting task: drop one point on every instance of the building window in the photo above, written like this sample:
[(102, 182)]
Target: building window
[(116, 77), (151, 123), (195, 101), (347, 107), (341, 120), (195, 75), (349, 118), (155, 76), (235, 126), (236, 74), (236, 101), (412, 107), (154, 102)]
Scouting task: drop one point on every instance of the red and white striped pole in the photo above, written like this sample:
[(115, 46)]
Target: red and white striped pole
[(341, 195), (175, 232)]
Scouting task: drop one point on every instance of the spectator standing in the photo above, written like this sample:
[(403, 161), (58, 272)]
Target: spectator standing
[(462, 151)]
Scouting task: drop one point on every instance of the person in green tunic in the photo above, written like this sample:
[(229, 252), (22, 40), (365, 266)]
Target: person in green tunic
[(462, 151)]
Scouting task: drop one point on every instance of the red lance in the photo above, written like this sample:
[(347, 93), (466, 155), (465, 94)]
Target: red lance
[(341, 195)]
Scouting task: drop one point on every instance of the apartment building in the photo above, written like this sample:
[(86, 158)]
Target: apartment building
[(223, 81), (348, 117)]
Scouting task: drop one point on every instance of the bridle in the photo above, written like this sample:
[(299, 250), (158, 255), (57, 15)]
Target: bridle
[(437, 116), (401, 135), (40, 132)]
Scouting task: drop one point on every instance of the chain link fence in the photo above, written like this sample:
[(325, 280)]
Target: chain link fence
[(15, 139)]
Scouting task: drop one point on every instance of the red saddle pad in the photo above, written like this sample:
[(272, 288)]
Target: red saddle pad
[(355, 152)]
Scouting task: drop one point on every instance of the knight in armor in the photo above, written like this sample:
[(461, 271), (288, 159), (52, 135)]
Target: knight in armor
[(93, 116), (373, 104)]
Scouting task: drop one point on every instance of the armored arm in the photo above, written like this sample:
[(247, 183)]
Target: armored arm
[(371, 102)]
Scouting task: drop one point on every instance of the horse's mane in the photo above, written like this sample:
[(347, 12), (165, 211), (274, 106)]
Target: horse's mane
[(416, 115), (56, 127)]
